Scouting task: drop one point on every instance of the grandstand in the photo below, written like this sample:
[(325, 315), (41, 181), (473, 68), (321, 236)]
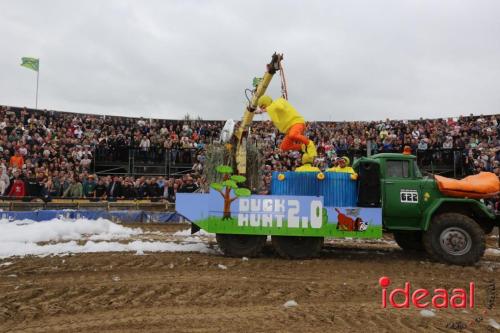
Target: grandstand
[(52, 154)]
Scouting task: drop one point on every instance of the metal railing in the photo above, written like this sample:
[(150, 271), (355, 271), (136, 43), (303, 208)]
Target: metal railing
[(175, 162), (137, 161)]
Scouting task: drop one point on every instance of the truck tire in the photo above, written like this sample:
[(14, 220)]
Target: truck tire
[(409, 240), (297, 247), (241, 245), (454, 238)]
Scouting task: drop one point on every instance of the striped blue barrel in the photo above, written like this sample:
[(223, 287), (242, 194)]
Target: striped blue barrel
[(337, 189), (295, 183)]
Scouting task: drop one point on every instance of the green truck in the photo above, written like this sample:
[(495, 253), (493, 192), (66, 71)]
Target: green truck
[(390, 195), (421, 218)]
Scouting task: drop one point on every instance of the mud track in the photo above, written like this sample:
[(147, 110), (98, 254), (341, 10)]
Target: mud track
[(191, 292)]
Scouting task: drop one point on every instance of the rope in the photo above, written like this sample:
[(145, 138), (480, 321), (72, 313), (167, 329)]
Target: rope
[(284, 90)]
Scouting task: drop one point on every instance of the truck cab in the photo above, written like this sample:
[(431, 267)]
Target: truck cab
[(405, 193), (450, 229)]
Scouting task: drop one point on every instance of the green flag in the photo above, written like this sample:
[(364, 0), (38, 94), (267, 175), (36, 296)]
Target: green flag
[(31, 63)]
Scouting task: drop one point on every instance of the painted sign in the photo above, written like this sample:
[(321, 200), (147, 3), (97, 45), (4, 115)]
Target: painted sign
[(298, 212), (279, 215)]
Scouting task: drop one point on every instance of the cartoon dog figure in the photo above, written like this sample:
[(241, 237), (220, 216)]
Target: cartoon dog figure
[(346, 223), (362, 225)]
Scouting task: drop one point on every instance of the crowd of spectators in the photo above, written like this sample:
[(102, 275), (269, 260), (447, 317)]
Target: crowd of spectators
[(52, 154), (469, 144)]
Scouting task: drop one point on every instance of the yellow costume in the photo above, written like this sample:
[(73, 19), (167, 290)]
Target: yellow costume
[(283, 115), (287, 120), (339, 169), (345, 169), (306, 164)]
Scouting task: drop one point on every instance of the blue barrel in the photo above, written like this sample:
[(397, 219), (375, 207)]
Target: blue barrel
[(295, 183), (337, 188)]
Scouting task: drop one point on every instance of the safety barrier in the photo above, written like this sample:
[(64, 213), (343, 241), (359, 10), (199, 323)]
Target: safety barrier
[(84, 204), (122, 216), (337, 188)]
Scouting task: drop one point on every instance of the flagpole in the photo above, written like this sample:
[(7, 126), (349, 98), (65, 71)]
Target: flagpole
[(37, 75)]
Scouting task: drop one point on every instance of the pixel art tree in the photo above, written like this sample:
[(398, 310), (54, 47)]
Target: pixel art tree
[(229, 182)]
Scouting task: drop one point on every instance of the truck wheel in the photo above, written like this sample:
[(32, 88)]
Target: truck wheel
[(454, 238), (297, 247), (409, 240), (240, 245)]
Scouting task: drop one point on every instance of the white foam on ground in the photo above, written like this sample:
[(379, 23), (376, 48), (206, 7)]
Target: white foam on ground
[(63, 230), (494, 324), (492, 252), (427, 313), (290, 304), (187, 232), (21, 238)]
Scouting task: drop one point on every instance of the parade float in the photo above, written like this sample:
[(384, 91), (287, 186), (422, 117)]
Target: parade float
[(446, 218)]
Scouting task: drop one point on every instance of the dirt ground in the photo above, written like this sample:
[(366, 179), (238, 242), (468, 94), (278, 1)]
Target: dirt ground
[(192, 292)]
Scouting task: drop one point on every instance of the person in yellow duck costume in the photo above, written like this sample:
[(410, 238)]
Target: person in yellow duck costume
[(288, 121), (343, 166), (307, 161)]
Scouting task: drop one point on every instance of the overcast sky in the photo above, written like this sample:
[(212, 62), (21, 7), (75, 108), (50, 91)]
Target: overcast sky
[(344, 60)]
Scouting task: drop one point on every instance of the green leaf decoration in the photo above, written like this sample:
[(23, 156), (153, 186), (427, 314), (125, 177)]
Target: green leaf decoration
[(224, 169), (238, 178), (230, 183), (217, 186), (256, 81), (242, 192)]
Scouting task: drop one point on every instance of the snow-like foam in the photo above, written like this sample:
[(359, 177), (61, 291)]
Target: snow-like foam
[(66, 236), (187, 232), (22, 249), (62, 230)]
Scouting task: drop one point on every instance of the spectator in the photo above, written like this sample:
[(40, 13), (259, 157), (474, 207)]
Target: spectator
[(4, 181), (34, 186), (128, 191), (152, 188), (51, 190), (114, 188), (145, 145), (189, 186), (169, 190), (17, 161), (100, 190), (89, 186), (18, 188), (75, 188)]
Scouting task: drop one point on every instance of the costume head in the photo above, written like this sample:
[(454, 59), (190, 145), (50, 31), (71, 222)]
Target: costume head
[(264, 101)]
